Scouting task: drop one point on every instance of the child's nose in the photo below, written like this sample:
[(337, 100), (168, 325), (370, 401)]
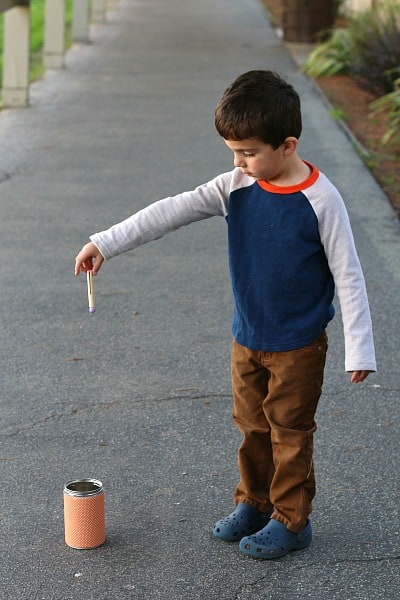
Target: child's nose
[(238, 161)]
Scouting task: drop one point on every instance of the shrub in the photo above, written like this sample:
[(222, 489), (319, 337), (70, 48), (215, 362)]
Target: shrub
[(332, 57), (369, 47), (375, 36), (390, 104)]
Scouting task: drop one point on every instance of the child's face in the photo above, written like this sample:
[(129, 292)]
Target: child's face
[(257, 159)]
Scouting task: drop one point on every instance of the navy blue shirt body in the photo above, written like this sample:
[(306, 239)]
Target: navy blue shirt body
[(282, 285)]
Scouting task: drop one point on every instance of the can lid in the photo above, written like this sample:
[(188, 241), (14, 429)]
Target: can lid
[(83, 487)]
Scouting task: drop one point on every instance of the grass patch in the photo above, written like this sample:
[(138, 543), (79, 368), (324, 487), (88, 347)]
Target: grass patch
[(338, 114)]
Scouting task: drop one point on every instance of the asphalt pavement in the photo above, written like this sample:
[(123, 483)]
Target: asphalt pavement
[(138, 395)]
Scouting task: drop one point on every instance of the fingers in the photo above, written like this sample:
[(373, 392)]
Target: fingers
[(359, 376), (88, 259), (97, 264)]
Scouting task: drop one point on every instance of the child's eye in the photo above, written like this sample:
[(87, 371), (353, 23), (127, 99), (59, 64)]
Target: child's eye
[(248, 154)]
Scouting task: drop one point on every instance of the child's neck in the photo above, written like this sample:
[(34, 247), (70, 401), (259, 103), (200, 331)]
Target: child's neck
[(295, 172)]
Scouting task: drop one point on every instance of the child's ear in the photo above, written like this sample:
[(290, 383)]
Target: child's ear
[(289, 146)]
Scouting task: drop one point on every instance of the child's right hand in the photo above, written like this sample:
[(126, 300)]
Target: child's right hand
[(89, 259)]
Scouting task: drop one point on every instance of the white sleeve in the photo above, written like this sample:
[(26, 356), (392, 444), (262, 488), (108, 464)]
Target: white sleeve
[(165, 216), (337, 239)]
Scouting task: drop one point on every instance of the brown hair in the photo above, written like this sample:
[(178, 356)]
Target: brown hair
[(259, 104)]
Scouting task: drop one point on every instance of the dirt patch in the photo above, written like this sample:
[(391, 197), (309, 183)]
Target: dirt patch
[(351, 103)]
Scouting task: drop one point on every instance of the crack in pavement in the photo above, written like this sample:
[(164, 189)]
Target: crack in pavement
[(329, 565), (109, 405)]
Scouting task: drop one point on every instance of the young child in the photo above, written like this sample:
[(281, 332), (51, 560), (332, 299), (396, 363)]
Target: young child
[(290, 245)]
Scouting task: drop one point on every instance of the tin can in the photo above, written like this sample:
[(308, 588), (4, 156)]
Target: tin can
[(84, 517)]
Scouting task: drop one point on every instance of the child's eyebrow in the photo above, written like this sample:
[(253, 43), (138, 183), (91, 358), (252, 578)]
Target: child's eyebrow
[(245, 149)]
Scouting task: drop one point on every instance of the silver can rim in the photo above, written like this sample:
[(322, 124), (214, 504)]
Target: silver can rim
[(96, 489)]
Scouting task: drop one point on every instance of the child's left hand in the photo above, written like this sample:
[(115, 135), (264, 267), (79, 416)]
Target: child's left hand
[(359, 376)]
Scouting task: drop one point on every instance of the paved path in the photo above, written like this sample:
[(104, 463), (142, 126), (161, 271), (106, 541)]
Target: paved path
[(139, 395)]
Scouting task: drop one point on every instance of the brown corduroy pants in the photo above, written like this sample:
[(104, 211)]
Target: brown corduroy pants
[(275, 399)]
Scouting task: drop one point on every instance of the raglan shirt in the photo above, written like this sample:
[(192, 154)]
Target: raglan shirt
[(289, 249)]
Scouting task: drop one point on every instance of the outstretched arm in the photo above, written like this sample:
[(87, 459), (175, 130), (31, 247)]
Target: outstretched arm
[(89, 259)]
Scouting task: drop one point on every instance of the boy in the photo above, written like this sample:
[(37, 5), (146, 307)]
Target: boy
[(290, 244)]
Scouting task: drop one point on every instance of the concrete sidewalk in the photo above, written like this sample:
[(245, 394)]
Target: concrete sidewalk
[(138, 395)]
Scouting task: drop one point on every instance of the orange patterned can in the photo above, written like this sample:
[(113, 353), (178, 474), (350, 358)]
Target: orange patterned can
[(84, 517)]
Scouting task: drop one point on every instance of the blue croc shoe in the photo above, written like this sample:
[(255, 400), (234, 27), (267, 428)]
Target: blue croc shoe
[(275, 540), (244, 520)]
